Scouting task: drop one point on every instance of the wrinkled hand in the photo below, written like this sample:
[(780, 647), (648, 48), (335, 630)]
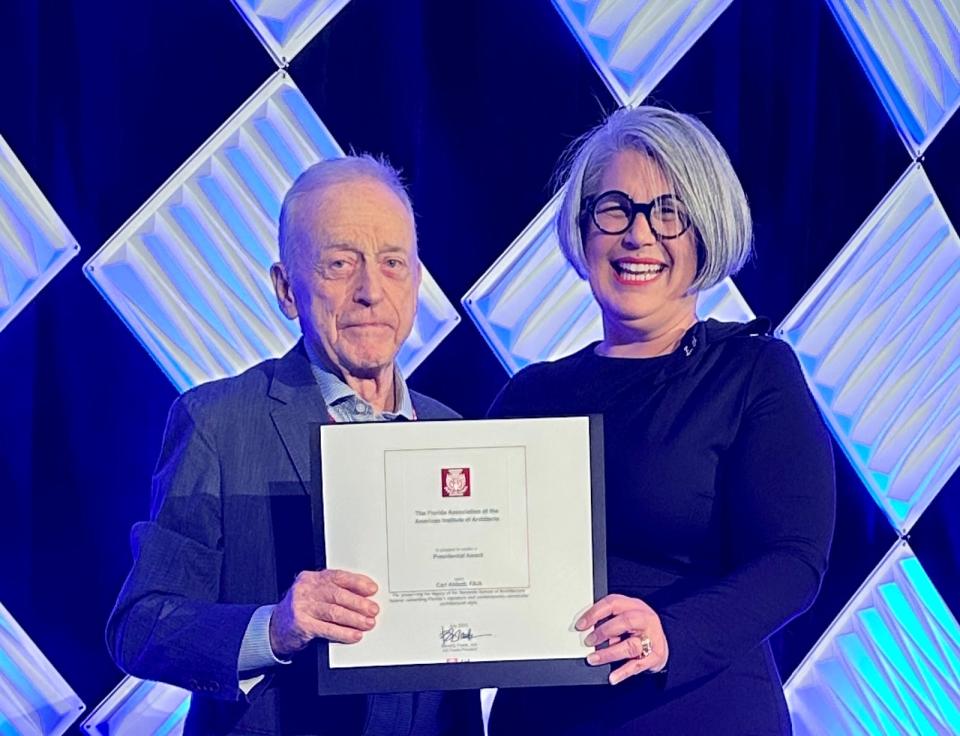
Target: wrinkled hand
[(626, 621), (327, 604)]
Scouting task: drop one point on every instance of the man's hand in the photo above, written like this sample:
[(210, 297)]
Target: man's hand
[(327, 604)]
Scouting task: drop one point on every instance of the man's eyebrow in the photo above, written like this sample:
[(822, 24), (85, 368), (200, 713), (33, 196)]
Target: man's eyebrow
[(356, 249)]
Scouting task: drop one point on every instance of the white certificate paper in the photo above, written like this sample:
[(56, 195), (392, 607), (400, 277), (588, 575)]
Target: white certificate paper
[(480, 535), (456, 519)]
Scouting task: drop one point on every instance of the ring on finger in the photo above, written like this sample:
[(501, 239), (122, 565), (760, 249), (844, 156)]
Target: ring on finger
[(646, 647)]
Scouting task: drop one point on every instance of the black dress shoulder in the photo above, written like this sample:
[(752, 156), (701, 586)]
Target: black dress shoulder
[(720, 512)]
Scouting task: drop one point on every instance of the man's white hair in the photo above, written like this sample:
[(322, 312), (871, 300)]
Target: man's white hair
[(327, 173), (694, 163)]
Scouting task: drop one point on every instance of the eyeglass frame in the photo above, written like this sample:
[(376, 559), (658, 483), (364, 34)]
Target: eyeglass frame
[(588, 207)]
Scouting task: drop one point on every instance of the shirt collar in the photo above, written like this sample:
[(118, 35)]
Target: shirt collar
[(335, 391)]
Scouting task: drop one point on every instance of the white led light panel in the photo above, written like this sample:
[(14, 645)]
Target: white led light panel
[(189, 272), (34, 699), (34, 242), (878, 336), (634, 44), (286, 26), (910, 49), (889, 663), (139, 708)]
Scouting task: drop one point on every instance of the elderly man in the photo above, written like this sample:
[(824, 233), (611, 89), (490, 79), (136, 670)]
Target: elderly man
[(209, 605)]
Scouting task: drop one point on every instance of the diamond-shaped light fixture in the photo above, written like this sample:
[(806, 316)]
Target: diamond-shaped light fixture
[(34, 699), (531, 305), (889, 663), (34, 242), (286, 26), (189, 272), (634, 44), (910, 49), (878, 336), (139, 708)]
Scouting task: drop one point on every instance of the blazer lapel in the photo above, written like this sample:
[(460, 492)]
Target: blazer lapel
[(300, 410)]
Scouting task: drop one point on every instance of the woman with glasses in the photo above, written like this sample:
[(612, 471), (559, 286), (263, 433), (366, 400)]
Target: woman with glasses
[(719, 471)]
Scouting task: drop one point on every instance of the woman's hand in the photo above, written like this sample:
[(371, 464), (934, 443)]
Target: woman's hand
[(633, 632)]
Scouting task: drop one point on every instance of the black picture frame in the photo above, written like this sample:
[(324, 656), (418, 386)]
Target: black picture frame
[(475, 675)]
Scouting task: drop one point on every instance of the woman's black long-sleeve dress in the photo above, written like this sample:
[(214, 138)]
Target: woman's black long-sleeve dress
[(720, 512)]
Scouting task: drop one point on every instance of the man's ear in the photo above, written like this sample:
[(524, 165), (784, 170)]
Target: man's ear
[(283, 287)]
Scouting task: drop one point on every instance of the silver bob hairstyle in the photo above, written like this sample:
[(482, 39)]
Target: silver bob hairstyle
[(694, 163), (330, 172)]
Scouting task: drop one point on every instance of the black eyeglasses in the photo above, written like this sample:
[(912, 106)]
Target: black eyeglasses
[(613, 213)]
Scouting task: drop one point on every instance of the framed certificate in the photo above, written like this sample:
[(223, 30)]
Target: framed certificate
[(486, 539)]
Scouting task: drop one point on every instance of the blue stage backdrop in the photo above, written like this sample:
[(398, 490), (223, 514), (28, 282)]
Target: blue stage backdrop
[(155, 140)]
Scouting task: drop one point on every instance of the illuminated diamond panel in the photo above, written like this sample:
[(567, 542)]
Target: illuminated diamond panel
[(34, 242), (878, 336), (634, 44), (532, 306), (139, 708), (34, 699), (910, 49), (189, 272), (889, 663), (286, 26)]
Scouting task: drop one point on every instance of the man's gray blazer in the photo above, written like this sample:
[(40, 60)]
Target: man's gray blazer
[(231, 526)]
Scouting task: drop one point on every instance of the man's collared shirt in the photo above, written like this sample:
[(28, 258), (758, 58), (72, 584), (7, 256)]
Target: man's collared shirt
[(343, 405)]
